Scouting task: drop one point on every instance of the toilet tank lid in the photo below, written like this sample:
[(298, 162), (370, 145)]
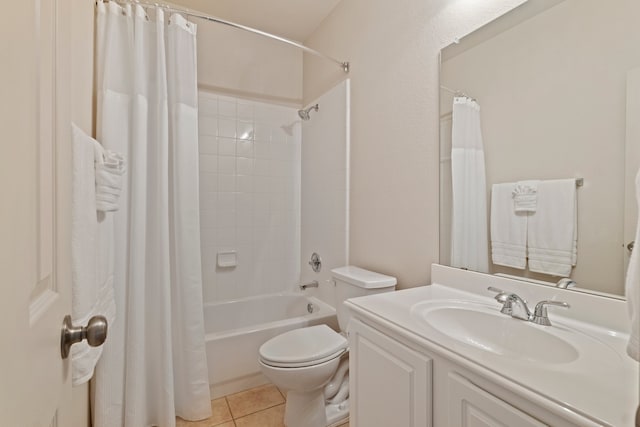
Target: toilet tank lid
[(363, 278)]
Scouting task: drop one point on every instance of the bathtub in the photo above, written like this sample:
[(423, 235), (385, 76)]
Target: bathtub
[(235, 330)]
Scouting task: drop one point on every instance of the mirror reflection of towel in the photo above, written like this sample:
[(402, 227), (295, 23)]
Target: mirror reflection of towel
[(552, 230), (525, 196), (508, 228)]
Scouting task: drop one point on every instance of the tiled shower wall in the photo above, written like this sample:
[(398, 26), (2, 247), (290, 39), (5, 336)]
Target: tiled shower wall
[(249, 196)]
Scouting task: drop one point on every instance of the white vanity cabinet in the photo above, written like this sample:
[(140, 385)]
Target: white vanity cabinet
[(445, 355), (397, 383), (390, 383), (469, 405)]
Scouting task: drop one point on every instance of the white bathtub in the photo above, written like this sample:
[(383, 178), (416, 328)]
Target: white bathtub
[(235, 330)]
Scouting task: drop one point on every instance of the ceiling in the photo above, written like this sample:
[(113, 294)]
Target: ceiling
[(293, 19)]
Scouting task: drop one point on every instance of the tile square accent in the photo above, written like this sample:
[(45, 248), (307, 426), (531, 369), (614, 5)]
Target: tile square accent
[(245, 130), (254, 400), (227, 107), (226, 146), (226, 127)]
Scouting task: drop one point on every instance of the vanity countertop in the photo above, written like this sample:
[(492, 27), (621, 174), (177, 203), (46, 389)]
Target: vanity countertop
[(599, 383)]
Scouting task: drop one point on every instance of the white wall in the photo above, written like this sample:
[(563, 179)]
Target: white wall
[(235, 62), (553, 98), (325, 189), (249, 196), (393, 48)]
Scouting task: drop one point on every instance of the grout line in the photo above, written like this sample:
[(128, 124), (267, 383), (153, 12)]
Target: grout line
[(257, 412), (260, 410)]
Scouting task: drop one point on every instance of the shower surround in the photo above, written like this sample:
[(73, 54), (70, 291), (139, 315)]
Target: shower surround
[(249, 196)]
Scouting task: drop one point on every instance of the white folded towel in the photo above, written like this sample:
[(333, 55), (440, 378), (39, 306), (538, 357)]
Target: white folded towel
[(110, 168), (633, 289), (525, 196), (91, 255), (552, 229), (508, 229)]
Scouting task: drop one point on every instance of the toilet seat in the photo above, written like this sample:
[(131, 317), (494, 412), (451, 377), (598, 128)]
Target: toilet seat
[(303, 347)]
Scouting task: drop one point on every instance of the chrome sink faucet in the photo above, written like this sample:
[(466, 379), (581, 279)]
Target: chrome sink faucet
[(514, 306)]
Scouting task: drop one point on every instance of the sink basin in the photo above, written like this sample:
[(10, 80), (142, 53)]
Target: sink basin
[(485, 328)]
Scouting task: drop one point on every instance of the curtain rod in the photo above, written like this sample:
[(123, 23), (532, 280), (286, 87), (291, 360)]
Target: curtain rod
[(343, 64)]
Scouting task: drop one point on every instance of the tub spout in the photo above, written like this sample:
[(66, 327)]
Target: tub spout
[(313, 284)]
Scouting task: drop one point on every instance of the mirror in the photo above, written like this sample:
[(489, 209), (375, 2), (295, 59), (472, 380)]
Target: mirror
[(558, 85)]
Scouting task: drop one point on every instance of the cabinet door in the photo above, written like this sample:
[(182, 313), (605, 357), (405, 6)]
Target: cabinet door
[(390, 384), (471, 406)]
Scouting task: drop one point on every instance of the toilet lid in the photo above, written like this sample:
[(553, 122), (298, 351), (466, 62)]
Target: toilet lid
[(303, 347)]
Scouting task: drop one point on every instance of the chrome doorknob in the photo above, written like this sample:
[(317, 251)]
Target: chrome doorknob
[(95, 333), (631, 245)]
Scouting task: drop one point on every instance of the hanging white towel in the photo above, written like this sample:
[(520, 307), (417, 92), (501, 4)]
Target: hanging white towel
[(525, 196), (91, 256), (469, 240), (508, 228), (552, 229), (633, 289)]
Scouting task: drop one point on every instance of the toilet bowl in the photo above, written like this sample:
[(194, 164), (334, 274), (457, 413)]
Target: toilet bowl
[(311, 363), (302, 362)]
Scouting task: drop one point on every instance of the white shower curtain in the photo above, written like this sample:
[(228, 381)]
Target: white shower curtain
[(469, 245), (154, 363)]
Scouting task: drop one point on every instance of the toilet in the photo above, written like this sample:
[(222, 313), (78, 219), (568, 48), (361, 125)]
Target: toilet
[(312, 363)]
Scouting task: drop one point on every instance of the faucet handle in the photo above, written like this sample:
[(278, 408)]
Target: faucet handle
[(501, 296), (540, 316), (504, 298)]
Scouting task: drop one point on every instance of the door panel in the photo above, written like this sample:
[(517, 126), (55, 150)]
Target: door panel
[(390, 383), (34, 213), (471, 406)]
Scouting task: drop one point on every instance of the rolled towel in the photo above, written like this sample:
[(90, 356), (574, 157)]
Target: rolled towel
[(110, 168), (525, 196)]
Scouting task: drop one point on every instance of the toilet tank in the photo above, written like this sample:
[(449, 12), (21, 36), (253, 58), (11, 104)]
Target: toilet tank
[(354, 282)]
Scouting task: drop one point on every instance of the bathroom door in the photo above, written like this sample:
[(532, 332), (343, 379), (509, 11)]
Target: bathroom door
[(35, 387), (632, 159)]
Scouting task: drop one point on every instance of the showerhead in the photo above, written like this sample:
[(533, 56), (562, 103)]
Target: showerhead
[(304, 114)]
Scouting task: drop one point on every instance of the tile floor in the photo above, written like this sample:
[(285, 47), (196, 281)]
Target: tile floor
[(262, 406)]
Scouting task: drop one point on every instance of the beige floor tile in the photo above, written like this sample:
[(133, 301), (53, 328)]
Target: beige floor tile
[(220, 411), (272, 417), (227, 424), (254, 400), (184, 423)]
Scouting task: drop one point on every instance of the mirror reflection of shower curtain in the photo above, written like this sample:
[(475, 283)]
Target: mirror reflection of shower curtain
[(469, 244), (153, 366)]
